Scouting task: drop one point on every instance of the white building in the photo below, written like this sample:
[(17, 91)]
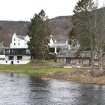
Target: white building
[(19, 41), (18, 52), (56, 46)]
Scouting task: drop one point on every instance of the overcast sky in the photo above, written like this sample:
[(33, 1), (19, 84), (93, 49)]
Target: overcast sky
[(25, 9)]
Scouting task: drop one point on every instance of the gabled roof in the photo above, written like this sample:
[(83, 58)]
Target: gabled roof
[(21, 37)]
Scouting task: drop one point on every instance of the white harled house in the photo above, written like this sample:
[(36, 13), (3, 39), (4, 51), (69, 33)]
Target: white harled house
[(18, 52)]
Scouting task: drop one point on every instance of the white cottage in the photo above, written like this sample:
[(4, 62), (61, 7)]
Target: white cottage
[(18, 52), (56, 46)]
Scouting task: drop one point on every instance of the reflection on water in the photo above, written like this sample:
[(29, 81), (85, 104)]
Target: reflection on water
[(25, 90)]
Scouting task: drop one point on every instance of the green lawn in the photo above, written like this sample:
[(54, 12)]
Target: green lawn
[(34, 69)]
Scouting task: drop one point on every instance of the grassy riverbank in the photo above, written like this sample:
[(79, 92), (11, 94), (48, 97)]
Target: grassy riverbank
[(36, 68), (50, 69), (31, 70)]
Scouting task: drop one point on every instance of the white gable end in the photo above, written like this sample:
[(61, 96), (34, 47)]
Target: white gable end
[(19, 41)]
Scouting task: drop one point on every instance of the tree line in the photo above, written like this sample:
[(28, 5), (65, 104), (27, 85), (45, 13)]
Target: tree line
[(89, 29)]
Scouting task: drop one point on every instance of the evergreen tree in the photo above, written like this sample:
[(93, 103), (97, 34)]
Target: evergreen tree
[(39, 33), (83, 23)]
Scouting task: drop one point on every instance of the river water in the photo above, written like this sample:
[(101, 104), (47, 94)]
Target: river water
[(24, 90)]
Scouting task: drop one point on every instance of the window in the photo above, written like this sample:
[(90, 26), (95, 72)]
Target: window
[(18, 43), (11, 57), (14, 43), (27, 51), (2, 58), (17, 61), (14, 39), (51, 50), (19, 57)]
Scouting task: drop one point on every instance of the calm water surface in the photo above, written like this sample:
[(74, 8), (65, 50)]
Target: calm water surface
[(25, 90)]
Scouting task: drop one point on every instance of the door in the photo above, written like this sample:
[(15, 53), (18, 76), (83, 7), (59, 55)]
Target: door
[(11, 62)]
